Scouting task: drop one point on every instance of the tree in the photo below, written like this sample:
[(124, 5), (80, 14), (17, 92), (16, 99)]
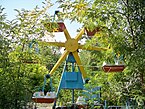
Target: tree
[(11, 95), (19, 80)]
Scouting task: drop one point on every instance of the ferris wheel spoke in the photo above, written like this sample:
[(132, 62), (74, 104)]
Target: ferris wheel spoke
[(78, 61), (80, 34), (59, 44), (92, 48), (62, 58), (67, 35)]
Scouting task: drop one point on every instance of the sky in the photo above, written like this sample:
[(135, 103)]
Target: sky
[(10, 5)]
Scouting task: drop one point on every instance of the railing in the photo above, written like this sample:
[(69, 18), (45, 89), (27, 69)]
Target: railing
[(121, 107), (116, 107)]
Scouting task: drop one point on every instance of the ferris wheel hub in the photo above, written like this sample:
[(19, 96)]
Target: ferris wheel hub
[(71, 45)]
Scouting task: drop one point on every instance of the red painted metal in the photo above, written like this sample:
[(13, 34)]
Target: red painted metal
[(44, 100), (113, 68), (93, 32), (82, 106), (61, 26)]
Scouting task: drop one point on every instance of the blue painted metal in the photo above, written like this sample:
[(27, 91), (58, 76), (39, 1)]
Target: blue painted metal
[(71, 58), (45, 80), (31, 45), (70, 76), (92, 93), (44, 84), (97, 94), (105, 104), (71, 80)]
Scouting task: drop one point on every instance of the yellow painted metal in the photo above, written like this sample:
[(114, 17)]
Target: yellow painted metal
[(80, 34), (62, 58), (56, 30), (66, 33), (92, 48), (78, 61), (71, 45), (59, 44)]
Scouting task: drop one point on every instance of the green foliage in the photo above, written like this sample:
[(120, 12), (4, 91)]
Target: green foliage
[(20, 80)]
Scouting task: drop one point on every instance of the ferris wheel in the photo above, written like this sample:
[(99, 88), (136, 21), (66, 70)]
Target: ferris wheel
[(75, 77)]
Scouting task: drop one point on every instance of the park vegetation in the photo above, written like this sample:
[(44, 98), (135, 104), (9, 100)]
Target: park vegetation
[(121, 26)]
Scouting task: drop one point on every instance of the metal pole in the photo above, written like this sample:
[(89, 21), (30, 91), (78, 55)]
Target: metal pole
[(72, 96), (73, 105), (105, 107), (73, 67)]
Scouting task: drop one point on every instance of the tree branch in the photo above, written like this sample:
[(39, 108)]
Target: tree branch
[(130, 25)]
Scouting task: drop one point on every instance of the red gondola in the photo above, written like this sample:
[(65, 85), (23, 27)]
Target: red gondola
[(43, 100), (61, 26), (55, 26), (93, 32), (40, 97), (113, 68)]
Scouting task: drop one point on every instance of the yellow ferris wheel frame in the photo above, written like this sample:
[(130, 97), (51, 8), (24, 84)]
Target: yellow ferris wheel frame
[(71, 46)]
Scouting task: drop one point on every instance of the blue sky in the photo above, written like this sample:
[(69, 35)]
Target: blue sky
[(10, 5)]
